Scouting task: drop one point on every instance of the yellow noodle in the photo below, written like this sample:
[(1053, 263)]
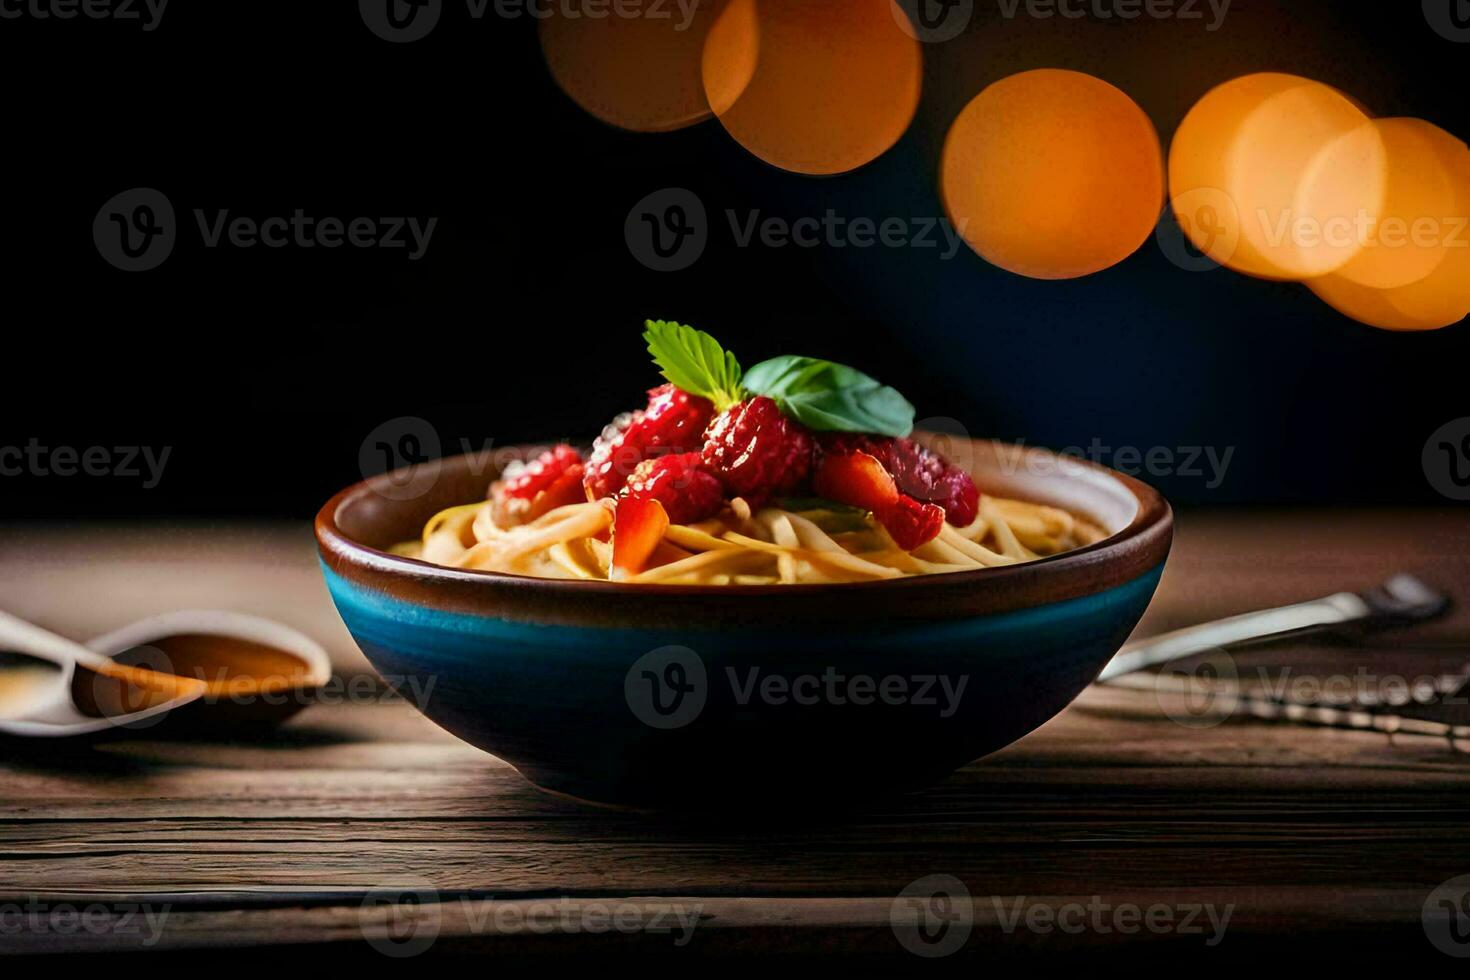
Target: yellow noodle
[(695, 563), (942, 552), (853, 563), (484, 525), (905, 562), (779, 525), (575, 561), (443, 518), (691, 537), (977, 553), (815, 545), (1009, 545)]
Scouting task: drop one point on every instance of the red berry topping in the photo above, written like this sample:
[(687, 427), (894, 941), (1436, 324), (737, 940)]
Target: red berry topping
[(526, 491), (688, 493), (911, 523), (673, 422), (522, 481), (859, 479), (639, 524), (921, 473), (757, 452)]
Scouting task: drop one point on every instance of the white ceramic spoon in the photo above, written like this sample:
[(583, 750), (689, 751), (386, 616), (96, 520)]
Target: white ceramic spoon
[(257, 671), (45, 670)]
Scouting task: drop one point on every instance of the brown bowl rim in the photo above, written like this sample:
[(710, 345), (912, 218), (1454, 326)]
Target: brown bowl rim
[(1131, 552)]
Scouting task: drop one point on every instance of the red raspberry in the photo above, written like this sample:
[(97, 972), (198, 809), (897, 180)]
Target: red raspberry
[(673, 422), (919, 472), (857, 478), (526, 491), (688, 493), (911, 523), (757, 452), (522, 481)]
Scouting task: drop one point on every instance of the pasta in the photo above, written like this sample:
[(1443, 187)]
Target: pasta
[(703, 487), (814, 543)]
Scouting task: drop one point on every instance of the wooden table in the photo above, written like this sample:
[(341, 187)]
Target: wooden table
[(360, 825)]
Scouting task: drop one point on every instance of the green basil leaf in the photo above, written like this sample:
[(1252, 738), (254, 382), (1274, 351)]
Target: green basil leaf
[(831, 397), (694, 362)]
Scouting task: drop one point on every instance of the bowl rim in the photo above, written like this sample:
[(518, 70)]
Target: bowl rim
[(1121, 557)]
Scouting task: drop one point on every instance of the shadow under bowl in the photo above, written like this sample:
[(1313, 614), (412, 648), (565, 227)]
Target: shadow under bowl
[(750, 697)]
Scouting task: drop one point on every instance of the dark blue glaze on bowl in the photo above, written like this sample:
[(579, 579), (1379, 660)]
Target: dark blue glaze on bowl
[(696, 698)]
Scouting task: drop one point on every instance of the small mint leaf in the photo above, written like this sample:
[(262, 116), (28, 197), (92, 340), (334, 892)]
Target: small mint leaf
[(693, 361), (831, 397)]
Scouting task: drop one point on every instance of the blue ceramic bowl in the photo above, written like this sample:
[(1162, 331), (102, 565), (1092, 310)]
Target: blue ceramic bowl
[(713, 697)]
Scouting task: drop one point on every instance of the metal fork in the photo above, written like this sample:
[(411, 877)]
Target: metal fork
[(1400, 602)]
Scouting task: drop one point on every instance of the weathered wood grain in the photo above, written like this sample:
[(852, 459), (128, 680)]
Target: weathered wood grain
[(1313, 836)]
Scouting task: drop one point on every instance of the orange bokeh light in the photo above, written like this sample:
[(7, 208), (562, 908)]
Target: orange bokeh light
[(1408, 242), (1440, 299), (816, 87), (1300, 165), (638, 73), (1053, 174)]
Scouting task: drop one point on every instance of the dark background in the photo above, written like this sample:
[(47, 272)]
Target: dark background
[(264, 370)]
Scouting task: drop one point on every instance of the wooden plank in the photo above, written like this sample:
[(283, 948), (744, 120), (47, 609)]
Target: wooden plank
[(278, 841), (653, 924)]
